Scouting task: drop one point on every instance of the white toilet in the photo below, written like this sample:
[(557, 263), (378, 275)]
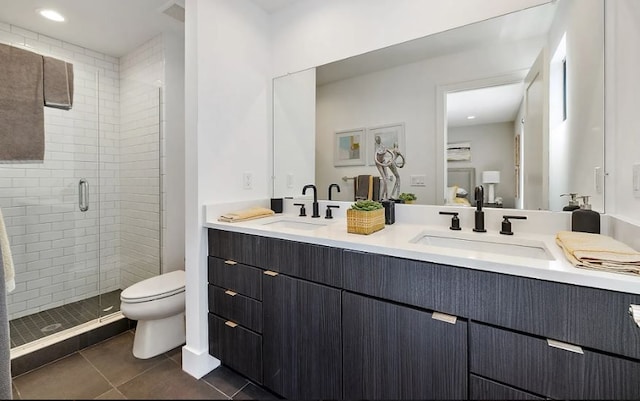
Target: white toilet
[(157, 303)]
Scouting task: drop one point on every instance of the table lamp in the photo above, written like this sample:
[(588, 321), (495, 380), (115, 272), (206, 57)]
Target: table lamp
[(491, 178)]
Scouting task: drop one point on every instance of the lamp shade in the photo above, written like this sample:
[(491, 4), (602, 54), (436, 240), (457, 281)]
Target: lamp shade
[(491, 177)]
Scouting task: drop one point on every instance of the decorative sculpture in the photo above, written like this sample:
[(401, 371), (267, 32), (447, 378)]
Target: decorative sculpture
[(388, 159)]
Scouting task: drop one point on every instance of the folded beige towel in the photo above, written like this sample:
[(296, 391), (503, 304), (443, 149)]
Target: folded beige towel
[(58, 83), (21, 100), (246, 214), (7, 259), (597, 251)]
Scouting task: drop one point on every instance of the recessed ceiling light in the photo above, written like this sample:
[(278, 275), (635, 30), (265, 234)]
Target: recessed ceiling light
[(470, 117), (53, 15)]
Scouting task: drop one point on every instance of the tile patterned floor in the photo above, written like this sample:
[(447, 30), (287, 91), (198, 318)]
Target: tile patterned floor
[(33, 327), (109, 370)]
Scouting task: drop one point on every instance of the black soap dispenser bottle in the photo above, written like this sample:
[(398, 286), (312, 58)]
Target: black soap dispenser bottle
[(573, 202), (584, 219)]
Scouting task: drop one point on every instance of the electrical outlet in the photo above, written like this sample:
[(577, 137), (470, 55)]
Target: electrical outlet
[(418, 180), (289, 180), (247, 180)]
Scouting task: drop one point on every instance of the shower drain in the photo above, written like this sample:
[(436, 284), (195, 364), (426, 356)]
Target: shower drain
[(51, 327)]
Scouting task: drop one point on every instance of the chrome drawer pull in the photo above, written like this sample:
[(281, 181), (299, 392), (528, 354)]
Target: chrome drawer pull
[(564, 346), (443, 317), (230, 262), (270, 273), (634, 311), (231, 293), (231, 324)]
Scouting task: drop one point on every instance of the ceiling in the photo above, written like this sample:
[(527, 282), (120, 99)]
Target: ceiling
[(113, 27), (494, 104)]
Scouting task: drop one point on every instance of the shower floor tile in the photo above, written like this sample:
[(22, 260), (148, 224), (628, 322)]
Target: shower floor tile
[(34, 327)]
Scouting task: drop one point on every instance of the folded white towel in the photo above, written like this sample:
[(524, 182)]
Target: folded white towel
[(7, 259), (597, 251)]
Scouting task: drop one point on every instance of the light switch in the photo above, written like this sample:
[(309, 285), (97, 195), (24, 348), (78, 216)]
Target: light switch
[(598, 179)]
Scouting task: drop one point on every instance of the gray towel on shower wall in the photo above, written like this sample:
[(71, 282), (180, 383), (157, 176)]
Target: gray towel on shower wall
[(58, 83), (6, 392), (21, 105)]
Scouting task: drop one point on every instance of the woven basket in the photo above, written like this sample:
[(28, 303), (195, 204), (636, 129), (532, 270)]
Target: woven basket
[(364, 222)]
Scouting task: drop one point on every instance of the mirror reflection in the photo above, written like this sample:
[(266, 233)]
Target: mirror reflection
[(514, 103)]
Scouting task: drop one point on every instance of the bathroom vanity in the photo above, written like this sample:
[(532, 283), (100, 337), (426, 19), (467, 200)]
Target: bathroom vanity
[(322, 314)]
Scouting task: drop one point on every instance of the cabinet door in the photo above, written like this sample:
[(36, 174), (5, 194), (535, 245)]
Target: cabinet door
[(396, 352), (301, 339)]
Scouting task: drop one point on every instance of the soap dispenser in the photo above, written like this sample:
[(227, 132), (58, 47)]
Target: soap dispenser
[(584, 219), (573, 202)]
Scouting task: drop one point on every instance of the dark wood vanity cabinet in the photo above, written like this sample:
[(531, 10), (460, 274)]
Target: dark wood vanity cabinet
[(302, 339), (393, 352), (329, 323), (268, 321), (515, 325)]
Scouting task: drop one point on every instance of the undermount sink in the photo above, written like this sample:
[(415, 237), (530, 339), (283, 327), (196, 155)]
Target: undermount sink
[(295, 224), (475, 242)]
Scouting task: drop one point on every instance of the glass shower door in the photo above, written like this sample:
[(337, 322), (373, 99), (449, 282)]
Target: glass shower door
[(52, 216)]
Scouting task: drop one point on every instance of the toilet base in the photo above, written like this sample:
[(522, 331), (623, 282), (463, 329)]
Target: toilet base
[(153, 337)]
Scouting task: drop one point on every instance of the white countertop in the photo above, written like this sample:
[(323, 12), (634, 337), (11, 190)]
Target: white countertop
[(395, 240)]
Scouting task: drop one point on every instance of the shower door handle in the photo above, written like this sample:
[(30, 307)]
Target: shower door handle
[(83, 195)]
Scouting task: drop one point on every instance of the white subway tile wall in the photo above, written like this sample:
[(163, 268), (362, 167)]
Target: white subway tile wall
[(55, 245), (141, 75)]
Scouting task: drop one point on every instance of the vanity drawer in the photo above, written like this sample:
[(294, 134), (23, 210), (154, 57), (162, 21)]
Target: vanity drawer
[(485, 389), (549, 368), (228, 274), (236, 347), (236, 307), (317, 263)]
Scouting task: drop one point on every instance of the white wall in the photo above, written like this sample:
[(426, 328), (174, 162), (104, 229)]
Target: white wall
[(623, 126), (228, 104)]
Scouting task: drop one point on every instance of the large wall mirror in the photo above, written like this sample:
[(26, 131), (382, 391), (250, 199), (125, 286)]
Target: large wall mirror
[(514, 103)]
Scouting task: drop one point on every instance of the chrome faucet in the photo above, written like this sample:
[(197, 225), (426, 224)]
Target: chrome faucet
[(479, 214), (336, 186), (316, 209)]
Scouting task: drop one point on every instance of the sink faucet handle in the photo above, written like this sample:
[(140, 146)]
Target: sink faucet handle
[(455, 221), (303, 211), (329, 215), (506, 224)]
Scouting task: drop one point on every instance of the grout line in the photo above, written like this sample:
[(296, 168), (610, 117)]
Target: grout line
[(241, 388)]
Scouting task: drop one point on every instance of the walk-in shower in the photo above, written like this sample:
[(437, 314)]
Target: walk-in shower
[(85, 223)]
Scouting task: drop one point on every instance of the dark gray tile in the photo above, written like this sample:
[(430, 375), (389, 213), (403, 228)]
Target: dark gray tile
[(43, 356), (112, 394), (225, 380), (72, 377), (114, 359), (167, 381), (253, 392), (175, 355)]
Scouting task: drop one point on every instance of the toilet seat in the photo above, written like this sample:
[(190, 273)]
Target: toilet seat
[(158, 287)]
